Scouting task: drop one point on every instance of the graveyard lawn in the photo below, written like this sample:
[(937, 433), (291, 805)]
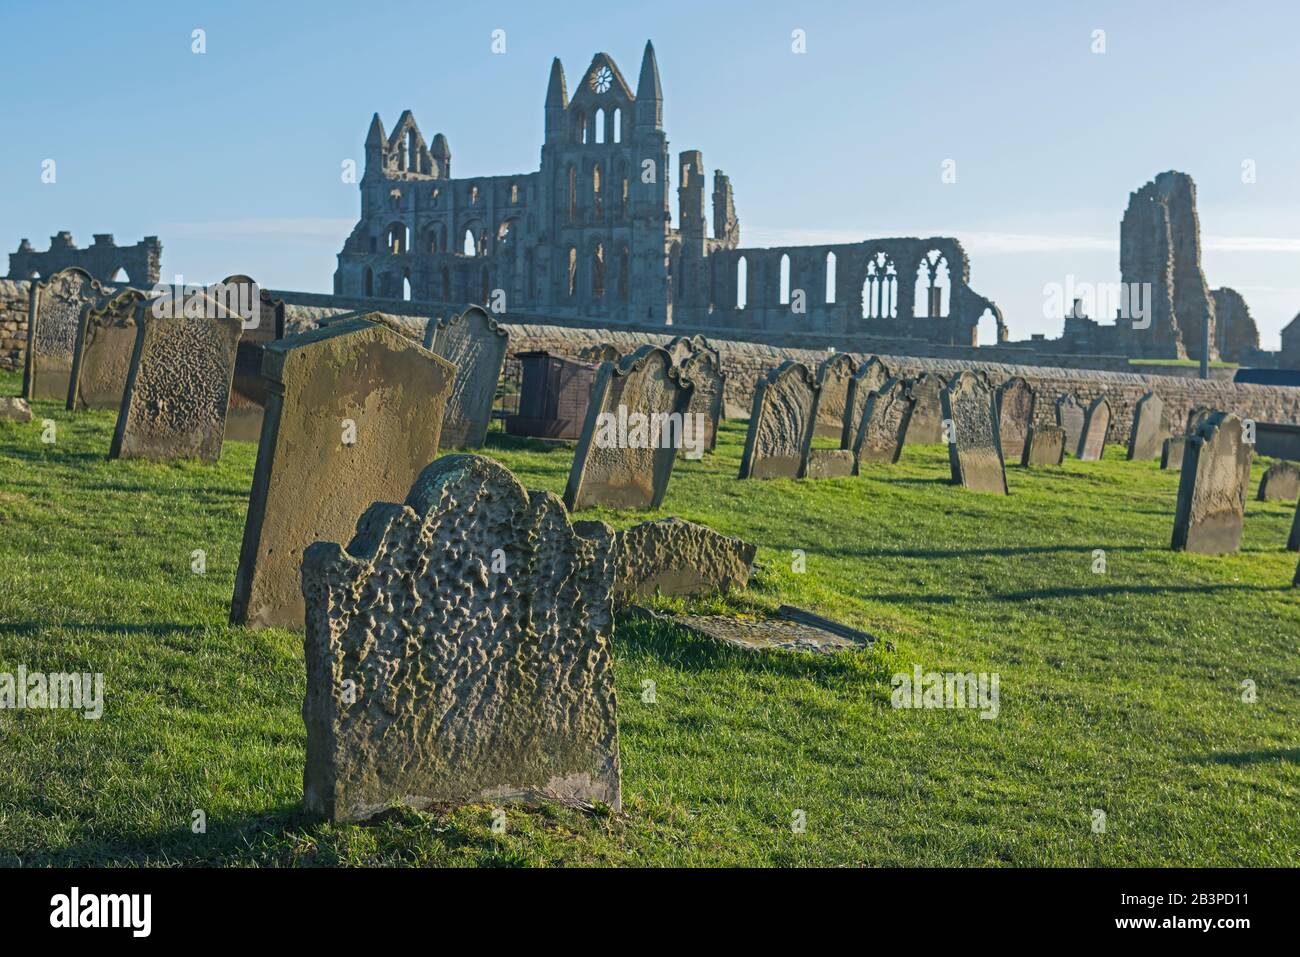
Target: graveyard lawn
[(1120, 690)]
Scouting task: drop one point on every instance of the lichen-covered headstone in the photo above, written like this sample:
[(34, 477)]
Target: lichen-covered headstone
[(636, 423), (1045, 446), (1015, 401), (476, 345), (353, 415), (178, 386), (708, 388), (1148, 432), (833, 377), (974, 447), (672, 556), (458, 651), (1069, 416), (1212, 487), (925, 427), (1171, 452), (102, 354), (871, 375), (884, 424), (53, 318), (1281, 482), (780, 424), (1096, 423)]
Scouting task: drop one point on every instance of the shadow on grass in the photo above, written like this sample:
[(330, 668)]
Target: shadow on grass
[(1240, 758), (29, 628), (1098, 591)]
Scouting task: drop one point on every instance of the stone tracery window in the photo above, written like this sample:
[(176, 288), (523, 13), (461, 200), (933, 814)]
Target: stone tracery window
[(933, 286), (602, 78), (880, 288)]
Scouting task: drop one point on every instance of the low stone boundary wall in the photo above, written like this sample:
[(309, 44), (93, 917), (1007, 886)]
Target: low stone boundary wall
[(13, 322)]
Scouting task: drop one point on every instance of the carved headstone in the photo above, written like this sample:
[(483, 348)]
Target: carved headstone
[(883, 428), (263, 322), (604, 352), (1281, 482), (871, 375), (975, 450), (675, 557), (1016, 400), (708, 388), (458, 651), (354, 414), (178, 386), (1171, 452), (1069, 416), (635, 425), (833, 377), (925, 427), (1212, 487), (53, 317), (1147, 435), (1092, 443), (476, 345), (780, 424), (102, 354), (1045, 446)]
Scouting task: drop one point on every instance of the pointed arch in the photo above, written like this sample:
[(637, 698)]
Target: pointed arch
[(742, 282), (880, 288), (933, 287), (785, 279), (830, 278)]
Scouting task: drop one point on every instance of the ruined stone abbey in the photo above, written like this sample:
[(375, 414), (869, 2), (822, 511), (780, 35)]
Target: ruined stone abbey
[(591, 235)]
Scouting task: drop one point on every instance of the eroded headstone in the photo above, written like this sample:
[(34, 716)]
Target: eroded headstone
[(672, 556), (353, 415), (458, 651), (833, 377), (1171, 452), (1045, 446), (264, 318), (925, 427), (884, 425), (102, 352), (974, 448), (1147, 435), (53, 318), (1092, 442), (476, 345), (1069, 416), (871, 375), (1212, 487), (780, 424), (1280, 483), (636, 423), (708, 389), (1015, 403)]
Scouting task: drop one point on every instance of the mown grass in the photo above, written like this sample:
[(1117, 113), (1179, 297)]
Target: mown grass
[(1120, 691)]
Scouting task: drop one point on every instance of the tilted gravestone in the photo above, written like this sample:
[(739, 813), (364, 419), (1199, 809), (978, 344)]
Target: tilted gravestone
[(459, 651), (53, 316), (1069, 416), (974, 447), (263, 322), (925, 427), (871, 375), (1293, 540), (1146, 437), (883, 428), (353, 415), (1015, 401), (1212, 487), (833, 377), (674, 557), (1045, 446), (178, 386), (1171, 452), (780, 424), (635, 425), (708, 387), (1281, 482), (1092, 442), (101, 358), (476, 345)]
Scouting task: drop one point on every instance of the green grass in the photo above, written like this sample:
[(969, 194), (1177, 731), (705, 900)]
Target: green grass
[(1119, 691)]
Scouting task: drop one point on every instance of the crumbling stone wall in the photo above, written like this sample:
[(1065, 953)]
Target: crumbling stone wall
[(142, 263), (1235, 332), (13, 323)]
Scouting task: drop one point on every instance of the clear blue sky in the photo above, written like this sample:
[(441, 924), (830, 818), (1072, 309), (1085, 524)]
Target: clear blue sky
[(233, 157)]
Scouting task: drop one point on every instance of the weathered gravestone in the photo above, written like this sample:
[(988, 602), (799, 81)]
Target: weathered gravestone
[(833, 377), (102, 353), (604, 352), (354, 413), (635, 424), (1045, 446), (458, 651), (178, 386), (1212, 487), (1069, 416), (1092, 442), (263, 322), (674, 557), (1015, 403), (871, 375), (1281, 482), (974, 448), (708, 387), (1293, 540), (53, 317), (1195, 416), (780, 424), (15, 409), (925, 427), (1171, 452), (1146, 437), (476, 345), (883, 427)]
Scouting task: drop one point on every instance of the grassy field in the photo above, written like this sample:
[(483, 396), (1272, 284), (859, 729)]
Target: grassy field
[(1119, 691)]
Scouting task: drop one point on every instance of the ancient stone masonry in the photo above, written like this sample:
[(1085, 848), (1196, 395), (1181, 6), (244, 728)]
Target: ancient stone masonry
[(1069, 416), (1212, 487), (1044, 446), (1015, 406), (1096, 424), (925, 427), (1147, 435), (53, 317), (106, 261), (15, 298), (103, 349), (974, 450), (674, 557), (883, 427), (635, 425), (474, 343), (178, 386), (458, 651), (833, 377), (354, 413), (1235, 332), (871, 375), (780, 424), (1280, 483), (591, 234)]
